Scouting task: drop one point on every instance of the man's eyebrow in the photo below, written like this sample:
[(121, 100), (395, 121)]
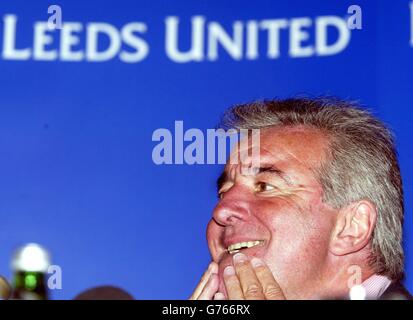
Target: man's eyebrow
[(264, 169), (274, 170)]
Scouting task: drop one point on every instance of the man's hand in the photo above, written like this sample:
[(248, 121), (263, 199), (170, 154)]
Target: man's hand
[(245, 280), (251, 280), (5, 289), (208, 285)]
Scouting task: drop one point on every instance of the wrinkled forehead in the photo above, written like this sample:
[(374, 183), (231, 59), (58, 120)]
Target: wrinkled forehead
[(298, 147)]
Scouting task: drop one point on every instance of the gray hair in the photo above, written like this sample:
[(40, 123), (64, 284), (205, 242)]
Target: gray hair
[(363, 163)]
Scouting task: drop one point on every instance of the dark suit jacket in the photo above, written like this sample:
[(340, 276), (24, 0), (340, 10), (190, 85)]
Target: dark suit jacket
[(396, 291)]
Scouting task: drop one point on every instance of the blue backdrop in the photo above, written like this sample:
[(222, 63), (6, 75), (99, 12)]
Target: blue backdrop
[(76, 136)]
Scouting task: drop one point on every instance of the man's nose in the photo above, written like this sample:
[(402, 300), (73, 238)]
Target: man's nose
[(232, 209)]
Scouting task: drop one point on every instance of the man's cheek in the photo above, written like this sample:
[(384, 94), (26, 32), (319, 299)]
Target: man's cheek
[(296, 252), (289, 238)]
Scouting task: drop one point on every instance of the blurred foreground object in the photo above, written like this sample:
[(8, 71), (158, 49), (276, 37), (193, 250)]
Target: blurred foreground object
[(104, 293), (5, 289), (29, 264)]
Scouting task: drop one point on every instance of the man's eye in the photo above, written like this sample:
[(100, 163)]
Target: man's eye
[(264, 187), (223, 190)]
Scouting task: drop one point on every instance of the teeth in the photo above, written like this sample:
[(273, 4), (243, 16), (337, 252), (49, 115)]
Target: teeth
[(233, 248)]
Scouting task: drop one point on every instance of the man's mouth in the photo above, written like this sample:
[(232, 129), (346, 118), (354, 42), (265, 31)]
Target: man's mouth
[(236, 247)]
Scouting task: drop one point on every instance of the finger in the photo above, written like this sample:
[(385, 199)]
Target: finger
[(219, 296), (210, 288), (212, 268), (270, 287), (251, 286), (232, 284), (4, 289)]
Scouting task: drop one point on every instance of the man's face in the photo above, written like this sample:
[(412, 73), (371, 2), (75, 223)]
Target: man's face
[(280, 205)]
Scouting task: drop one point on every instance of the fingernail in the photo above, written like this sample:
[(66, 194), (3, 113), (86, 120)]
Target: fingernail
[(219, 296), (229, 271), (239, 258), (256, 262)]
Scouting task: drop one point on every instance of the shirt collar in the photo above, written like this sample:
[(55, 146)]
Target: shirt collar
[(375, 286)]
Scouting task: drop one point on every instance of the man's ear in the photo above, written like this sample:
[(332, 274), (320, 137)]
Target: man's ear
[(354, 227)]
